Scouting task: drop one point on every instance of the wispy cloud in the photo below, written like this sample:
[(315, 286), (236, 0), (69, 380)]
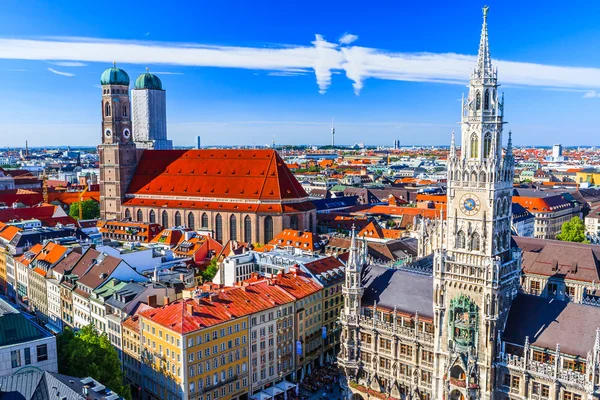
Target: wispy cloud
[(591, 94), (147, 33), (322, 57), (347, 38), (166, 73), (15, 70), (286, 73), (67, 63), (60, 72)]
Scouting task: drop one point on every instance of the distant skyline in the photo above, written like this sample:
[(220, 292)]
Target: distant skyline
[(239, 73)]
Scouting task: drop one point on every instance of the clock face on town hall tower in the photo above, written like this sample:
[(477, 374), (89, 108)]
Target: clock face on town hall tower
[(469, 204)]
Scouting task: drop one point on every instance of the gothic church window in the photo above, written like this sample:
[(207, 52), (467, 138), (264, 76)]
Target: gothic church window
[(191, 223), (152, 217), (165, 219), (232, 227), (486, 100), (478, 101), (177, 218), (219, 228), (474, 146), (247, 229), (294, 222), (124, 111), (140, 216), (487, 144), (460, 240), (107, 109), (127, 214), (204, 220), (475, 242), (268, 228)]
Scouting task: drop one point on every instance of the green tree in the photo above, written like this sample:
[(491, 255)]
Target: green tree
[(573, 231), (211, 270), (88, 353), (91, 209)]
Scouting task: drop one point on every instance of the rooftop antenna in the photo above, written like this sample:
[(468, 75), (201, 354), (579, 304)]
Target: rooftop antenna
[(332, 133)]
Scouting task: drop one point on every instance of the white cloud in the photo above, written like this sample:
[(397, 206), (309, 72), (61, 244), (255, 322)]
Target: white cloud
[(60, 72), (347, 38), (591, 94), (166, 73), (67, 63), (322, 57)]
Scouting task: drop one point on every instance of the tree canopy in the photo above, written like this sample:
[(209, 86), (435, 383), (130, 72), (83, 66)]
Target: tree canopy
[(91, 209), (573, 231), (211, 270), (87, 353)]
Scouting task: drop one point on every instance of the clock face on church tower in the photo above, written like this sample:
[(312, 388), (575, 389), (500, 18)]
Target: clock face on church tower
[(469, 204)]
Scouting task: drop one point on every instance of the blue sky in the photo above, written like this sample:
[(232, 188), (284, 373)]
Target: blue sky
[(239, 72)]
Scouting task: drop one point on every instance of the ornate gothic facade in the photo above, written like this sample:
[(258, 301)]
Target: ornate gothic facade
[(467, 329)]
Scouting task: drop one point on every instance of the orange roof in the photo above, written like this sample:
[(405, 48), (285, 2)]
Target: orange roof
[(72, 197), (430, 197), (29, 255), (169, 237), (218, 306), (51, 253), (40, 271), (542, 204), (232, 174), (9, 232), (299, 239)]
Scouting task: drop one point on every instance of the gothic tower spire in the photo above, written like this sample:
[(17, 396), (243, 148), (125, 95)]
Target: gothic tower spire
[(484, 59)]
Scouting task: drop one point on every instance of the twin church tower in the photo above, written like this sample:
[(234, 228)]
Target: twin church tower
[(126, 127)]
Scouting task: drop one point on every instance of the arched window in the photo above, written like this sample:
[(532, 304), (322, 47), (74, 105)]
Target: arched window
[(294, 222), (268, 229), (482, 177), (191, 223), (107, 109), (486, 100), (478, 101), (165, 220), (460, 240), (232, 227), (474, 146), (204, 220), (475, 242), (127, 213), (140, 216), (310, 223), (487, 144), (124, 111), (177, 218), (152, 217), (247, 229), (219, 228)]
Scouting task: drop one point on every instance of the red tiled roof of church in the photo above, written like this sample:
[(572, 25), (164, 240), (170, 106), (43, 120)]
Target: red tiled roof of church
[(235, 174)]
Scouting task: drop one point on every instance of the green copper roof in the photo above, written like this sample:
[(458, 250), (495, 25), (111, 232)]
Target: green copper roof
[(114, 76), (148, 81)]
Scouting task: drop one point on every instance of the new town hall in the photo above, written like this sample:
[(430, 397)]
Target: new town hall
[(472, 321)]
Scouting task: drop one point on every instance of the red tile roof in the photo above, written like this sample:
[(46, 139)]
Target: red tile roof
[(294, 238), (232, 174), (51, 253)]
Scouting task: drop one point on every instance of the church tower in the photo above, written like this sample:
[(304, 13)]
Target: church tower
[(352, 294), (117, 152), (476, 271), (150, 113)]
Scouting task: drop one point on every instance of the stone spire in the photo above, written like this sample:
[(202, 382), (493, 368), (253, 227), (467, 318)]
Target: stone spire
[(452, 146), (484, 59)]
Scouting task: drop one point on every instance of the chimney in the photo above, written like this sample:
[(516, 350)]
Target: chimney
[(182, 277), (213, 296), (152, 301), (189, 308), (166, 300)]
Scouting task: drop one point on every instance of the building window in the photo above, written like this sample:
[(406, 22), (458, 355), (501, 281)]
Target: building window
[(191, 223), (475, 242), (124, 111), (486, 100), (27, 351), (487, 144), (219, 228), (140, 216), (294, 222), (474, 146), (478, 101), (247, 229), (107, 109), (232, 227), (268, 229), (127, 214), (178, 219), (152, 217), (165, 219), (460, 240), (15, 358), (204, 220)]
